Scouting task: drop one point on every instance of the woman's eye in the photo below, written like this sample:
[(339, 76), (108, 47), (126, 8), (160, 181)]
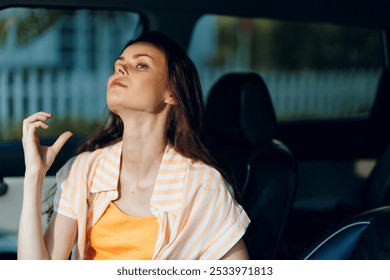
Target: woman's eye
[(142, 66)]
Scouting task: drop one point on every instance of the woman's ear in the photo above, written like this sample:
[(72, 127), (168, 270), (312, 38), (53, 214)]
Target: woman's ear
[(170, 100)]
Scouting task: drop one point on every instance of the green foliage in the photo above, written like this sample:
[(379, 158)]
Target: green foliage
[(227, 39), (35, 23), (29, 23), (295, 46), (78, 126), (3, 31)]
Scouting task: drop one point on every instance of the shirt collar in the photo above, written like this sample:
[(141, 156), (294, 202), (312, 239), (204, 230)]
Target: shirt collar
[(106, 175), (169, 184)]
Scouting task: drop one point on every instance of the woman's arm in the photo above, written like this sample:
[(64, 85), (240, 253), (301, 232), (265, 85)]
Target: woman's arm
[(60, 228), (38, 159), (237, 252)]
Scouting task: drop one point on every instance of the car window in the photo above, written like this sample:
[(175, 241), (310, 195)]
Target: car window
[(58, 61), (313, 71)]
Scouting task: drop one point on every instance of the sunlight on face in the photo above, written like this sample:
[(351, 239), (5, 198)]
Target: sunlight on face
[(140, 80)]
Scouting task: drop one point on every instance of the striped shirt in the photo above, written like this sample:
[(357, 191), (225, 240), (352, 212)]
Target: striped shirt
[(197, 214)]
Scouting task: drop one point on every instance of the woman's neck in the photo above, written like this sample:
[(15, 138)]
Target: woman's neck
[(140, 163), (143, 145)]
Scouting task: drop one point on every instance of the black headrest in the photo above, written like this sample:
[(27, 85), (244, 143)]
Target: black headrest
[(379, 110), (239, 107), (380, 113), (376, 190)]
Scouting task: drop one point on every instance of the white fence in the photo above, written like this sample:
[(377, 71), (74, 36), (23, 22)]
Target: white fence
[(82, 94), (314, 94), (322, 94), (63, 93)]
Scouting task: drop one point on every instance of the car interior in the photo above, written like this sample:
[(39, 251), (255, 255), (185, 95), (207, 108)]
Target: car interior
[(240, 135), (296, 97)]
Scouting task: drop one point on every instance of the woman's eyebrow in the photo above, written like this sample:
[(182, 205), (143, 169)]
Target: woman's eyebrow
[(142, 54), (135, 56), (121, 58)]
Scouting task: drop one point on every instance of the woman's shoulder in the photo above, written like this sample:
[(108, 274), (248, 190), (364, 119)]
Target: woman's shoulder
[(198, 165), (88, 159), (209, 178), (192, 165)]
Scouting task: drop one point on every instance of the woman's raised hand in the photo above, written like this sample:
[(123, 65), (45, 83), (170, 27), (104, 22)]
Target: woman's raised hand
[(38, 159)]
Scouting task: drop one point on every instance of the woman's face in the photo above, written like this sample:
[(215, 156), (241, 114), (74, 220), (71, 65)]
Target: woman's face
[(140, 81)]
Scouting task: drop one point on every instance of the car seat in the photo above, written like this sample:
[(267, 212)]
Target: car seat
[(366, 236), (239, 129), (376, 189), (374, 192), (380, 113)]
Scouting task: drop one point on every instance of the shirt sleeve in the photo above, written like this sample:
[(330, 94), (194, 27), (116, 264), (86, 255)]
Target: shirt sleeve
[(229, 220), (64, 178), (217, 222)]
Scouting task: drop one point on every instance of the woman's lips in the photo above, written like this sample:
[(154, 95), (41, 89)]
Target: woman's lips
[(118, 83)]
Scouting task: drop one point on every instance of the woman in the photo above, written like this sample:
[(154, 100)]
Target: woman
[(143, 187)]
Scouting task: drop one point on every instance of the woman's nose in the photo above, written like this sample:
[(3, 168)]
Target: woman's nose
[(120, 72)]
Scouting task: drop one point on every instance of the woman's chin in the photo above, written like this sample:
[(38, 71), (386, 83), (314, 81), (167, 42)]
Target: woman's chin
[(112, 107)]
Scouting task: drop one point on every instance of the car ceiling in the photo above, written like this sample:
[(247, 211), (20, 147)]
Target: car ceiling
[(354, 12)]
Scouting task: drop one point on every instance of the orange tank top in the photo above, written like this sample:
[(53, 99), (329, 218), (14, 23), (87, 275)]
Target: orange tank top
[(118, 236)]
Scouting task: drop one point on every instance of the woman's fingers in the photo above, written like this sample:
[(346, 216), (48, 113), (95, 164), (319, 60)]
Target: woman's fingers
[(30, 130), (38, 124), (41, 116), (40, 158), (31, 123), (52, 151), (36, 120), (60, 142)]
